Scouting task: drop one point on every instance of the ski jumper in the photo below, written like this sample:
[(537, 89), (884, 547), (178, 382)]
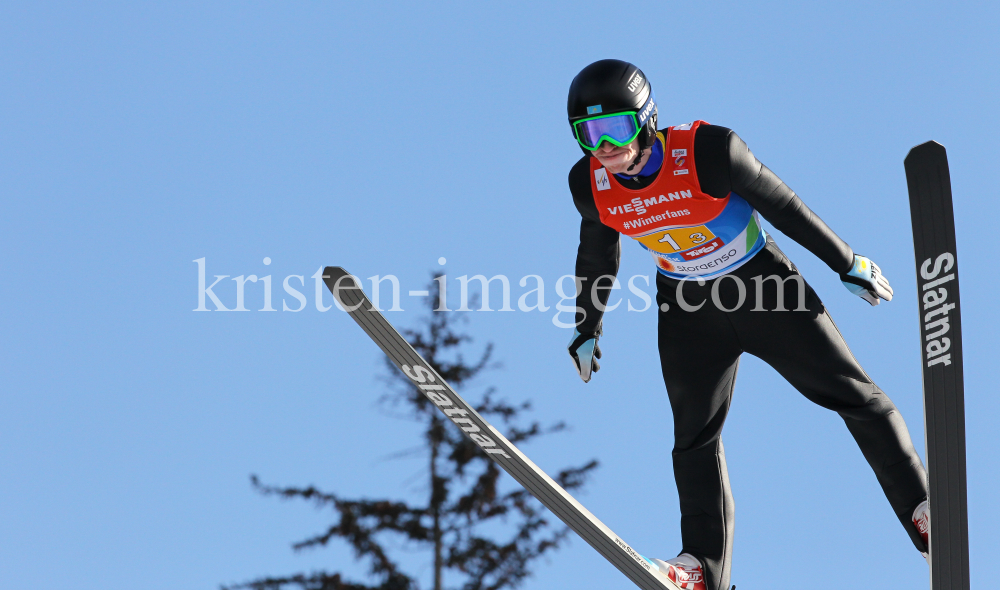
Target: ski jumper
[(700, 348)]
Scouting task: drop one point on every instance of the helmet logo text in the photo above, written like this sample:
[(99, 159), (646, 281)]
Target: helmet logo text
[(634, 83)]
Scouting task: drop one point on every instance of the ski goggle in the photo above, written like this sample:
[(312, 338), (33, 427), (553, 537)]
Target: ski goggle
[(618, 129)]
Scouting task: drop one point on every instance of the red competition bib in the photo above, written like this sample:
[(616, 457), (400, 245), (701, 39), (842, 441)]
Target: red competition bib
[(689, 233)]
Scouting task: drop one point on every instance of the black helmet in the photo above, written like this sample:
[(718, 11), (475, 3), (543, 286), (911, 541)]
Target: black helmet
[(612, 86)]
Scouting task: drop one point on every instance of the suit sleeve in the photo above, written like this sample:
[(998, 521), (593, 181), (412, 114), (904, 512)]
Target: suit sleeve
[(731, 166), (597, 256)]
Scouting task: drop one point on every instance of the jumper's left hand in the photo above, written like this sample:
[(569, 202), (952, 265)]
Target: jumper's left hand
[(866, 281)]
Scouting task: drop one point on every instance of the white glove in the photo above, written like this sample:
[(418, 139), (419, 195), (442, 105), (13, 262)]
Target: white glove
[(584, 351), (866, 281)]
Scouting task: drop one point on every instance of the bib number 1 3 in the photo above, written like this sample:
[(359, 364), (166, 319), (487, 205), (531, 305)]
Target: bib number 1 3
[(689, 240)]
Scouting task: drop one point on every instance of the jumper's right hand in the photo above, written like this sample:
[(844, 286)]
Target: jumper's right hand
[(584, 351)]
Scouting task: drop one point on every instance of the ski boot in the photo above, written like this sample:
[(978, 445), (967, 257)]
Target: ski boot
[(684, 571), (922, 520)]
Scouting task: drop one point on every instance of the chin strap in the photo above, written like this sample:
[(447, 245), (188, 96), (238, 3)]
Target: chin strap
[(637, 160)]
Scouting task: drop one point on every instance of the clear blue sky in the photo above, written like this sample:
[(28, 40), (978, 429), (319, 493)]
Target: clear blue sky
[(136, 138)]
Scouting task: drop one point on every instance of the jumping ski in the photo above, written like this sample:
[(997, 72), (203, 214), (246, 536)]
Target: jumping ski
[(349, 295), (933, 220)]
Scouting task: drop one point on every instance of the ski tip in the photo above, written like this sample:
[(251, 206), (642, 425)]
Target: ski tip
[(928, 147), (334, 274)]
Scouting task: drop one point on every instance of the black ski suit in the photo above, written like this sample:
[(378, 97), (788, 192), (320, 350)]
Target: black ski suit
[(700, 350)]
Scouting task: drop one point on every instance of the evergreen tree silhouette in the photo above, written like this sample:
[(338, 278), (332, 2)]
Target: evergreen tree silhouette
[(464, 491)]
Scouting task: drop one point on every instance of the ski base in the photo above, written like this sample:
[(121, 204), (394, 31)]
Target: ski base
[(348, 293), (932, 215)]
